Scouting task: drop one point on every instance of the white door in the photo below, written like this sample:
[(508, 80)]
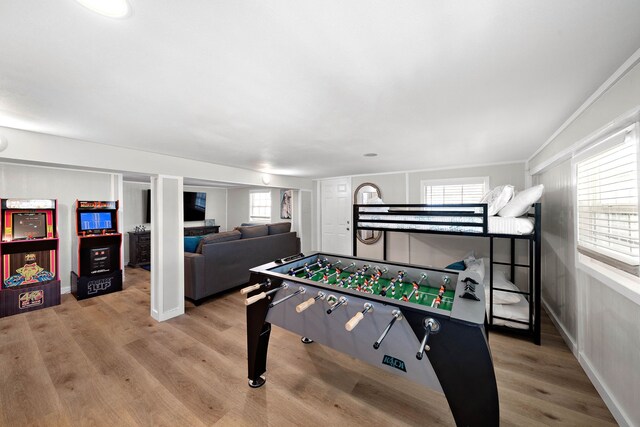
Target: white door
[(335, 198)]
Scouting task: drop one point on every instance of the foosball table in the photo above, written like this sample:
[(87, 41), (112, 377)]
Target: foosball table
[(425, 324)]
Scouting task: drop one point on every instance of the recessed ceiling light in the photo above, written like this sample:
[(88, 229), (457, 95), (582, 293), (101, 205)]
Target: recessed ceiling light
[(108, 8), (370, 154)]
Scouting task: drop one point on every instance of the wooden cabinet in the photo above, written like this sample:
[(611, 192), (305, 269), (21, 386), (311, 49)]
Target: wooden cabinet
[(201, 231), (140, 243), (139, 248)]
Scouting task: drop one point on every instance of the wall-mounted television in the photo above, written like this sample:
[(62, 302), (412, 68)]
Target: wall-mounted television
[(147, 218), (194, 205), (29, 225)]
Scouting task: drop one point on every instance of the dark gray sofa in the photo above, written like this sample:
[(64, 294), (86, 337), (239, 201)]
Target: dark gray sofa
[(225, 258)]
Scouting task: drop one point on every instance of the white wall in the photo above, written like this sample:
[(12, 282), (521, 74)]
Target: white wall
[(67, 186), (598, 313), (216, 207), (558, 254), (238, 205)]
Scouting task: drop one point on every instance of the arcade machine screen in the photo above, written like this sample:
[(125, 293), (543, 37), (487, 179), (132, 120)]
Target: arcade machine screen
[(29, 226), (95, 221)]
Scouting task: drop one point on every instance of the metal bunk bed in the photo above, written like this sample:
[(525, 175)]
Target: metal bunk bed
[(464, 220)]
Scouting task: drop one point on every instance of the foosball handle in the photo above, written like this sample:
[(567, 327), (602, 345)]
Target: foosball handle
[(250, 288), (255, 298), (354, 321), (303, 306)]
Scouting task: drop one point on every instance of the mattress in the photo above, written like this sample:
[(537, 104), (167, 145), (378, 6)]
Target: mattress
[(515, 311), (519, 226), (496, 224), (518, 311)]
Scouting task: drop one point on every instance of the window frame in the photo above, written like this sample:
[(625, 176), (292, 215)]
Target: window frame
[(270, 207), (602, 144), (454, 181)]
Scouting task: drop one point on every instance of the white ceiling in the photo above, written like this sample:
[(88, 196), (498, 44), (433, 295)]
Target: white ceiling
[(304, 87)]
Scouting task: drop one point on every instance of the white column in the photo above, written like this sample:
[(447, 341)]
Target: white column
[(167, 247), (117, 192)]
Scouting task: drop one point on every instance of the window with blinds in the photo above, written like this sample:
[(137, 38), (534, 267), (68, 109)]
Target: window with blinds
[(260, 206), (607, 202), (454, 191)]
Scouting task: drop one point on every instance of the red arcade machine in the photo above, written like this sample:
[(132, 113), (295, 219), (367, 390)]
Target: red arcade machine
[(96, 269), (28, 250)]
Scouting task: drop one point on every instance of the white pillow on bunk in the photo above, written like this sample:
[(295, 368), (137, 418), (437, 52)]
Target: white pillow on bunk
[(522, 201), (497, 198), (499, 297)]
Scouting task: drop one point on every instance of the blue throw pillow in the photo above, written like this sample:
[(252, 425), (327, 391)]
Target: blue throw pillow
[(456, 266), (191, 243)]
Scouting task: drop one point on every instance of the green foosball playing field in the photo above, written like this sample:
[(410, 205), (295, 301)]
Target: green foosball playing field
[(372, 280)]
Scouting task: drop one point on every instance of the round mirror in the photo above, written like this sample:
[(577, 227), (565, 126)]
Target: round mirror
[(366, 194)]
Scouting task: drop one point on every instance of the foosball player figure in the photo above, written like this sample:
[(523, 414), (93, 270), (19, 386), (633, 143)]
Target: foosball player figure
[(437, 301), (415, 292), (383, 291), (405, 298), (325, 278), (441, 292), (401, 274), (393, 287)]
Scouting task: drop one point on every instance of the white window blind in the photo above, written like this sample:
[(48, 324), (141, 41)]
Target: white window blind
[(260, 206), (607, 200), (454, 191)]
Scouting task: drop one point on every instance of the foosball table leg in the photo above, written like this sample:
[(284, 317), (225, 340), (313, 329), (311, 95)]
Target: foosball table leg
[(258, 332)]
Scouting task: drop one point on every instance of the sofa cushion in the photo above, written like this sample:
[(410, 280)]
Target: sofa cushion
[(226, 236), (252, 231), (191, 243), (279, 227)]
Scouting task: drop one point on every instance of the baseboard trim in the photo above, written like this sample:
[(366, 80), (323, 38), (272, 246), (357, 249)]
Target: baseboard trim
[(568, 339), (168, 314), (604, 392)]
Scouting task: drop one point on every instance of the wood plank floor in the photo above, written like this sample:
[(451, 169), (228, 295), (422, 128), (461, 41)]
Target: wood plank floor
[(105, 361)]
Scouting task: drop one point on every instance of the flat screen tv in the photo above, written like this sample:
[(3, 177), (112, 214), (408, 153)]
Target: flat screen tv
[(148, 211), (29, 225), (194, 206)]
